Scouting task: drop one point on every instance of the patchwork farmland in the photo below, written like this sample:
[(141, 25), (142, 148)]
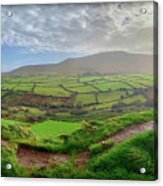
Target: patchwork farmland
[(65, 123)]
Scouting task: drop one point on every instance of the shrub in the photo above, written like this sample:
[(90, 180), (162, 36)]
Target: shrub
[(108, 144), (96, 148), (16, 131), (9, 156), (100, 147)]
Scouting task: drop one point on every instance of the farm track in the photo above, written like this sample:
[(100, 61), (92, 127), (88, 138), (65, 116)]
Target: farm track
[(130, 131), (39, 159)]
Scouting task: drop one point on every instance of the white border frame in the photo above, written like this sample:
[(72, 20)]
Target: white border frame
[(63, 182)]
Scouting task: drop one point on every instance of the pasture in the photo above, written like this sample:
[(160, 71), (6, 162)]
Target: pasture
[(68, 120), (54, 128)]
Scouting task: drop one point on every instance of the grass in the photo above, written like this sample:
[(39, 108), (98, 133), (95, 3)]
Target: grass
[(103, 163), (121, 162), (145, 82), (15, 132), (96, 131), (107, 100), (23, 115), (71, 84), (111, 85), (125, 160), (111, 96), (24, 87), (91, 78), (12, 122), (103, 105), (51, 91), (9, 86), (54, 128), (136, 98), (85, 98), (9, 156), (83, 89)]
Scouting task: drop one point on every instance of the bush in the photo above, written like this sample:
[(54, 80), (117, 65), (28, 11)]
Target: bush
[(9, 156), (100, 147), (96, 148), (16, 131), (108, 144)]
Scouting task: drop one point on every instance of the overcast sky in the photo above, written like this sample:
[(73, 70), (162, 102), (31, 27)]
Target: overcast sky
[(39, 34)]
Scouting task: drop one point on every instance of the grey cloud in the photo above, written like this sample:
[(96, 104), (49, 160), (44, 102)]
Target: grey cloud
[(79, 27)]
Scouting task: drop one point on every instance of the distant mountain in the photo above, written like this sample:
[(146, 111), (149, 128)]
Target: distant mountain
[(108, 62)]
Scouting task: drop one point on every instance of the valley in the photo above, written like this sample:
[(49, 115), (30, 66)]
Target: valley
[(53, 122)]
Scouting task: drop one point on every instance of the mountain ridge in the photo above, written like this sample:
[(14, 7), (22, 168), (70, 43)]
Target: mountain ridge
[(107, 62)]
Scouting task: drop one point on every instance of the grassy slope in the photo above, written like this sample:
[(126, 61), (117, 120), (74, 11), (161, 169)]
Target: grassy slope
[(121, 162), (12, 122), (127, 156), (125, 160)]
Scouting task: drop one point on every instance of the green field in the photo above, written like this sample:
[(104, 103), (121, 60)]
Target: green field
[(111, 85), (54, 128), (85, 98), (111, 96), (83, 89), (24, 87), (51, 91), (74, 116), (139, 98)]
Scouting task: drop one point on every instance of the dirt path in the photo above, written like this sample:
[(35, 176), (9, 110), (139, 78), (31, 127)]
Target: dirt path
[(38, 159), (4, 143), (130, 131)]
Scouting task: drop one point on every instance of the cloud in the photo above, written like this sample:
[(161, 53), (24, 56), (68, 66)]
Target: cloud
[(87, 28)]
